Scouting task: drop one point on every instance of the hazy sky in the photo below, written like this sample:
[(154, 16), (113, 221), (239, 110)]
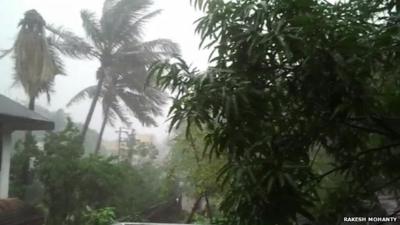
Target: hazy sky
[(175, 23)]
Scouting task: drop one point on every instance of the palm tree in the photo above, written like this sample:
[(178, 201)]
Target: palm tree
[(37, 55), (116, 39), (37, 58), (125, 94)]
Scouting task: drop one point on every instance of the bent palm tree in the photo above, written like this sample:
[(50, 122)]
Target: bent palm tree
[(37, 56), (121, 96), (116, 38)]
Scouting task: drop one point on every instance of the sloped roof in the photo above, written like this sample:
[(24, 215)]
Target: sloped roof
[(15, 116)]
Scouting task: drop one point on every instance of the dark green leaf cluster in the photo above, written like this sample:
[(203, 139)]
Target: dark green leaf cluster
[(105, 216), (292, 81)]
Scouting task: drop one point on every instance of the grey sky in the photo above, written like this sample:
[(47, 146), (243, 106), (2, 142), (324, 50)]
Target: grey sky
[(175, 23)]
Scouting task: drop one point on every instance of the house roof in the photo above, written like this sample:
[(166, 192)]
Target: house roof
[(15, 116)]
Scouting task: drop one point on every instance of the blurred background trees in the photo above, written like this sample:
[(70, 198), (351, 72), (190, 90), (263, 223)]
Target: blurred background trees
[(67, 184)]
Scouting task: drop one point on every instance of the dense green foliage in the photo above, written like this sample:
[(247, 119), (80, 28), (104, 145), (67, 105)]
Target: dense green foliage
[(293, 81), (104, 216), (70, 182), (196, 173), (187, 162)]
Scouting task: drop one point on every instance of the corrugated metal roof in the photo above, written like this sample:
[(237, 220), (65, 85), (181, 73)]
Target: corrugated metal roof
[(18, 117)]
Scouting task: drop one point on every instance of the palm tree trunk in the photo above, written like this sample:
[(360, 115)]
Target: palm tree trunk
[(94, 102), (31, 105), (27, 174), (195, 207), (208, 206), (103, 126)]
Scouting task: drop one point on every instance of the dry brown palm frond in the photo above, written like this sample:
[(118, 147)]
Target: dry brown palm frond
[(35, 61), (36, 55)]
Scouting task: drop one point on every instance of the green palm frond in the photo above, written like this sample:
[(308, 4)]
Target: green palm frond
[(130, 76), (117, 109), (108, 4), (92, 28), (68, 43), (47, 88), (141, 107), (133, 30), (146, 53), (156, 96), (87, 92), (199, 4), (164, 46), (120, 15)]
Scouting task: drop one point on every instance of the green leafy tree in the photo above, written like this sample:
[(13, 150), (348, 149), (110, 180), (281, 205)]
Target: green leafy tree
[(67, 178), (288, 78), (138, 152), (197, 173), (21, 175), (104, 216), (122, 97)]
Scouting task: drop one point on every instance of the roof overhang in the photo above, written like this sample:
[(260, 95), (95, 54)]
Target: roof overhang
[(14, 116), (17, 123)]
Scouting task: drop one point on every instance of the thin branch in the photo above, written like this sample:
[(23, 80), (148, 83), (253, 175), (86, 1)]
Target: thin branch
[(386, 184), (356, 157), (334, 170), (315, 155), (386, 147), (367, 129)]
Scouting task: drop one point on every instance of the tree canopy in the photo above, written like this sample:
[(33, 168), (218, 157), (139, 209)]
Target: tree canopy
[(292, 81)]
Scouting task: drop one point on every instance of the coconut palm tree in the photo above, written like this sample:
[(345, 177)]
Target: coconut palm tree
[(37, 55), (124, 95), (117, 42)]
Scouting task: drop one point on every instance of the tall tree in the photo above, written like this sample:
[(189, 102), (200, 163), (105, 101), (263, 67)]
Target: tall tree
[(123, 95), (294, 80), (116, 38), (37, 55), (37, 59)]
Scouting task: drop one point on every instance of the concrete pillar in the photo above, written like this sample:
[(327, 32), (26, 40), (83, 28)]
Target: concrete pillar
[(5, 163)]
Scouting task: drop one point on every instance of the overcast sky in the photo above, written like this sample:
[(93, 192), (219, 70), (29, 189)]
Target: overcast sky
[(175, 23)]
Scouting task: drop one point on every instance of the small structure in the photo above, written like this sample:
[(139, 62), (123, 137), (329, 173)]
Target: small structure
[(13, 117)]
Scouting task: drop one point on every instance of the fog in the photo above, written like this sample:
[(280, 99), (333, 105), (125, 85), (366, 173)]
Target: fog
[(176, 23)]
